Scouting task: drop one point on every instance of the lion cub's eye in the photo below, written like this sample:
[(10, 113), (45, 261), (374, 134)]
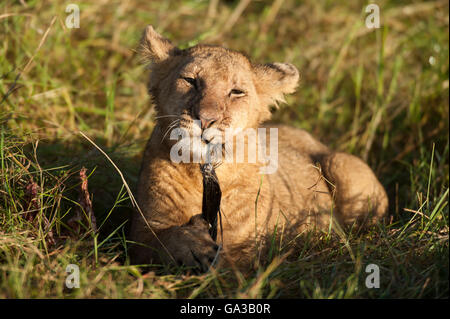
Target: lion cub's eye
[(237, 93), (191, 81)]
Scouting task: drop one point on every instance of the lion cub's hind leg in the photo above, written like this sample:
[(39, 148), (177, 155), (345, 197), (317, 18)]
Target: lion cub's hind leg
[(360, 198)]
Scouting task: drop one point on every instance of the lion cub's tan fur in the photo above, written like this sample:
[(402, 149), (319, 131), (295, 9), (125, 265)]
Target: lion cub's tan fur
[(312, 185)]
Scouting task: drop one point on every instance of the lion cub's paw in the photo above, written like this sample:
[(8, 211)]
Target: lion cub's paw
[(191, 245)]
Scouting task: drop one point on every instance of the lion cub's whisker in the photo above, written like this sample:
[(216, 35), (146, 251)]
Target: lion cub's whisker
[(163, 116), (171, 126)]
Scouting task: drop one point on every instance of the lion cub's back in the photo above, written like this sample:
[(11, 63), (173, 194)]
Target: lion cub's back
[(297, 183), (298, 140)]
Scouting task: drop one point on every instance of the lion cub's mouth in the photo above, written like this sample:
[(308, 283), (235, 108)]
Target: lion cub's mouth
[(212, 135), (204, 145)]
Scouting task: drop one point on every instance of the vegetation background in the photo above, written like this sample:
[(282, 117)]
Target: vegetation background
[(381, 94)]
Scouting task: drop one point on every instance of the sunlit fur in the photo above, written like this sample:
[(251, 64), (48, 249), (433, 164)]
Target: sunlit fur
[(312, 187)]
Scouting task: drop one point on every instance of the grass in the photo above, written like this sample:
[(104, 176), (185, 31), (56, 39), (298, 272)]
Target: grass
[(381, 94)]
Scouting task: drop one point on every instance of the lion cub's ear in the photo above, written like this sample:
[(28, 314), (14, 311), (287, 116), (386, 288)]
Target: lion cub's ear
[(154, 47), (275, 79)]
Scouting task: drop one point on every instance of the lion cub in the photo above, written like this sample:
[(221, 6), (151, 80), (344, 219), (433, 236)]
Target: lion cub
[(210, 87)]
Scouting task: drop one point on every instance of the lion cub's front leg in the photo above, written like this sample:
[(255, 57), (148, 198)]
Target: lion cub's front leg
[(189, 245)]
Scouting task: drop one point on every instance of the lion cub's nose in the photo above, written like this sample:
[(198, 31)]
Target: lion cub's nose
[(207, 122), (208, 118)]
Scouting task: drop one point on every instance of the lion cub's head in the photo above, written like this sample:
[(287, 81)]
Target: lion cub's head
[(211, 87)]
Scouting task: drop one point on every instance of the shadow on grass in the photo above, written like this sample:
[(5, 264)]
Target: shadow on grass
[(110, 202)]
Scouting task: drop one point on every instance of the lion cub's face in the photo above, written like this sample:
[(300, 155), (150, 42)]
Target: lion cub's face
[(206, 87)]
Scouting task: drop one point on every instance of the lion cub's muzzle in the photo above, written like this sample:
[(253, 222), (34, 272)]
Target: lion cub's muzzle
[(209, 111)]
